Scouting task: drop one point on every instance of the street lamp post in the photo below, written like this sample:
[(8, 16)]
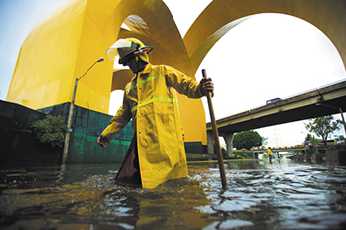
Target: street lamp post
[(71, 111)]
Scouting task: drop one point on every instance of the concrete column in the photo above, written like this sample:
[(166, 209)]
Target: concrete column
[(210, 142), (229, 144)]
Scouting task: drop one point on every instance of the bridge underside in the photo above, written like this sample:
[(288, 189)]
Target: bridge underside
[(327, 100), (307, 112)]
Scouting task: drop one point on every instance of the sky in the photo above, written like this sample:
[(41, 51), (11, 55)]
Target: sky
[(17, 20), (264, 57)]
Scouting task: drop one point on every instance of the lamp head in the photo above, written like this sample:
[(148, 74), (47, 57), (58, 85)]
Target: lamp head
[(101, 59)]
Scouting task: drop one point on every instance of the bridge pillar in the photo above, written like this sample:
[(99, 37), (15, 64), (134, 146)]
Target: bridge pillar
[(229, 144), (210, 142)]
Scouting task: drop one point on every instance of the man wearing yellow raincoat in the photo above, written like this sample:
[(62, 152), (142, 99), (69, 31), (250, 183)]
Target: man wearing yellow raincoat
[(156, 153)]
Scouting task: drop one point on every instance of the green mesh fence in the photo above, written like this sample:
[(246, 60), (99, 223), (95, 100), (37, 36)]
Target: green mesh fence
[(87, 125), (19, 147)]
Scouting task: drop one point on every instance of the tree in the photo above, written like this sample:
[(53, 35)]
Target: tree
[(247, 140), (339, 138), (323, 126), (50, 130), (310, 139)]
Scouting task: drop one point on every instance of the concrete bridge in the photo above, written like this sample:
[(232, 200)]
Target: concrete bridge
[(279, 150), (327, 100)]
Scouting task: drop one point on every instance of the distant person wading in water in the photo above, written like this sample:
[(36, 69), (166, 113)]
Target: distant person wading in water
[(270, 155), (156, 153)]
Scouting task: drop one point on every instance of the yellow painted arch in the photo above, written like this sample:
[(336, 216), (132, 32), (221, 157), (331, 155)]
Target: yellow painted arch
[(66, 44), (220, 16)]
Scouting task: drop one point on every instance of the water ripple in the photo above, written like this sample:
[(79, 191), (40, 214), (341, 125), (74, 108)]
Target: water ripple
[(286, 196)]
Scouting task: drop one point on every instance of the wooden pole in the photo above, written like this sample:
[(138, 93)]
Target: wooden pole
[(217, 148)]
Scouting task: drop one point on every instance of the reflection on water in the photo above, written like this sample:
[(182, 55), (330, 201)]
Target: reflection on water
[(259, 196)]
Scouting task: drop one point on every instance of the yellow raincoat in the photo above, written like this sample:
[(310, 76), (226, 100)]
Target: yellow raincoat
[(150, 99), (269, 152)]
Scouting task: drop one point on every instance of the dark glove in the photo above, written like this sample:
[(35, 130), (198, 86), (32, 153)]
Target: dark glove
[(205, 86), (102, 141)]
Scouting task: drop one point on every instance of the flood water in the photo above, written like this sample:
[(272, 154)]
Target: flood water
[(259, 196)]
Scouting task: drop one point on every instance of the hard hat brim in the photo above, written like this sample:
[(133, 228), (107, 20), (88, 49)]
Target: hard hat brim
[(130, 55)]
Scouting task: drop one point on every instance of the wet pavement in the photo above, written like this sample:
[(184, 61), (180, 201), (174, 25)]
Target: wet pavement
[(259, 196)]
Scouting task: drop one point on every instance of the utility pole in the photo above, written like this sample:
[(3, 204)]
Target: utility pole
[(69, 122), (70, 114), (343, 119)]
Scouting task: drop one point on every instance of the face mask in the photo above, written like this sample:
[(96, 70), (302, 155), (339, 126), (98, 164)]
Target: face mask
[(136, 64)]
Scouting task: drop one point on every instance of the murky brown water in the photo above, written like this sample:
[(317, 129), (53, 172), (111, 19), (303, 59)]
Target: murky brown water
[(260, 196)]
